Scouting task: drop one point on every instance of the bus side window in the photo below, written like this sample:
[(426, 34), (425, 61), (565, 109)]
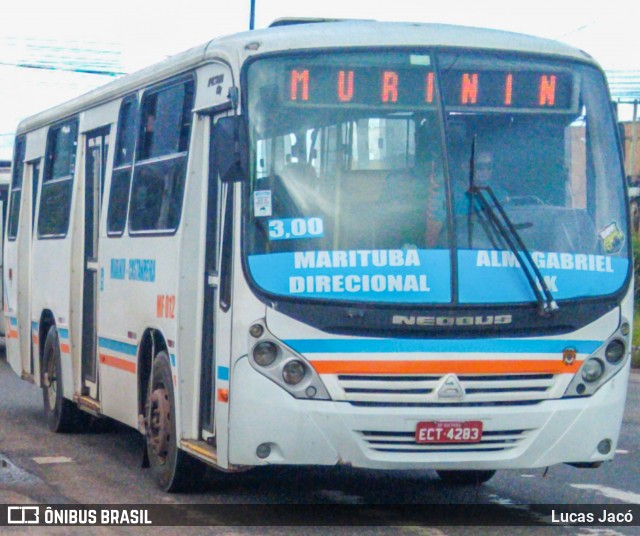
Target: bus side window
[(16, 189), (160, 170), (122, 167), (57, 184)]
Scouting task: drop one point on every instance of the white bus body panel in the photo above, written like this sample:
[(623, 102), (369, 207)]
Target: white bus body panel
[(18, 275), (127, 307), (168, 300), (53, 257)]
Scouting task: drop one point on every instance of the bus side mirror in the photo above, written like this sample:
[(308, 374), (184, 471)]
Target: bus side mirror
[(231, 148)]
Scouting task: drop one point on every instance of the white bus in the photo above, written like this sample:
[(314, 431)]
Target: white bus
[(386, 245)]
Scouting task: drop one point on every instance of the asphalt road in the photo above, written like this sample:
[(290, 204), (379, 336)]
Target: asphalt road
[(103, 466)]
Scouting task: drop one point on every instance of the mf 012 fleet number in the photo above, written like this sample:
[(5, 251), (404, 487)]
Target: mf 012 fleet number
[(449, 432)]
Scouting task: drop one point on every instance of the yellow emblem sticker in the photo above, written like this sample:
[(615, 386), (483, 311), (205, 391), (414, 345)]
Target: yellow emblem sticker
[(612, 238)]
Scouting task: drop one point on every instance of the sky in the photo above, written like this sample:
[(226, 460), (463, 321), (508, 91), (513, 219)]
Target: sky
[(126, 35)]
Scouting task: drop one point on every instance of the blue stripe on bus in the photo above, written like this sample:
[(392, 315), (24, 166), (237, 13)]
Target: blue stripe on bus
[(497, 346), (173, 359), (64, 333), (34, 325), (13, 321), (223, 373), (117, 346)]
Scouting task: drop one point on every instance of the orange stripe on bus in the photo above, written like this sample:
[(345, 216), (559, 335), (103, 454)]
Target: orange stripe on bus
[(64, 348), (116, 362), (35, 339), (13, 334), (445, 367)]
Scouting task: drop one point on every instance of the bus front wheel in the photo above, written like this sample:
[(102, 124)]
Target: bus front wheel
[(173, 469), (465, 478)]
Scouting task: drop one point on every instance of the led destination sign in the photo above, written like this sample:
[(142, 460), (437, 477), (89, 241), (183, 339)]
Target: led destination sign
[(529, 90), (416, 87)]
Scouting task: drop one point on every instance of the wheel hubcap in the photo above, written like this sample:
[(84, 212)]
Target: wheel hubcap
[(160, 423), (51, 383)]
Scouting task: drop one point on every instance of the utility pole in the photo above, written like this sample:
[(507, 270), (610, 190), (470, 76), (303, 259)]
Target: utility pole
[(252, 18)]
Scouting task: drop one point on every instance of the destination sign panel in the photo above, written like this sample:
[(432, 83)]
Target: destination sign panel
[(415, 87)]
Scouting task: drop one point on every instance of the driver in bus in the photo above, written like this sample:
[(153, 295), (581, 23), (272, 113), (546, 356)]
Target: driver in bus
[(483, 177)]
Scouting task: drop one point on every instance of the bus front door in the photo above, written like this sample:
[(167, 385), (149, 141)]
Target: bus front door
[(210, 308)]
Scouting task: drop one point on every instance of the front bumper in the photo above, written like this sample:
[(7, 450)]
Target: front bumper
[(302, 432)]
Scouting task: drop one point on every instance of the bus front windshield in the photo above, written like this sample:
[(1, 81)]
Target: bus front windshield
[(364, 168)]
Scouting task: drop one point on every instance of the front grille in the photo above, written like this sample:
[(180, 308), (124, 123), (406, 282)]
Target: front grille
[(421, 390), (444, 404), (492, 441)]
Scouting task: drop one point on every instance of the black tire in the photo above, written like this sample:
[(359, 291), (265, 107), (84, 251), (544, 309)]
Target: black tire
[(62, 415), (465, 478), (173, 469)]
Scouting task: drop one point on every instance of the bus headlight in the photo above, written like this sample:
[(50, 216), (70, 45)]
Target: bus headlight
[(293, 372), (592, 370), (265, 353), (615, 351), (603, 364), (283, 365)]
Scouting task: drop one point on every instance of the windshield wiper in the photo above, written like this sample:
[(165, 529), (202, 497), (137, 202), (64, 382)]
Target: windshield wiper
[(503, 224)]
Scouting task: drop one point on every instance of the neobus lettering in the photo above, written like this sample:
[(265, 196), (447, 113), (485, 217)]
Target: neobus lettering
[(481, 320)]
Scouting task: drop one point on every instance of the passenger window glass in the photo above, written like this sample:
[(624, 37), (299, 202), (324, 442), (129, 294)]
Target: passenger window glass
[(164, 122), (62, 152), (57, 184), (121, 176), (16, 189), (126, 132), (158, 184)]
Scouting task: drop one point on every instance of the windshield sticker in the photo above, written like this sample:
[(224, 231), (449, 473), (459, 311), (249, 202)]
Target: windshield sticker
[(290, 228), (612, 238), (262, 203), (490, 276), (394, 275)]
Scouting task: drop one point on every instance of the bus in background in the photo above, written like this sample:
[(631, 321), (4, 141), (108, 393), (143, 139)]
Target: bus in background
[(5, 181), (392, 246)]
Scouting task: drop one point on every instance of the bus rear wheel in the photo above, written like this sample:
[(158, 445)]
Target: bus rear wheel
[(173, 469), (465, 478), (62, 415)]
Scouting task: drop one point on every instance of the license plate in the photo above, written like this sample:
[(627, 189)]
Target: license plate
[(449, 432)]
